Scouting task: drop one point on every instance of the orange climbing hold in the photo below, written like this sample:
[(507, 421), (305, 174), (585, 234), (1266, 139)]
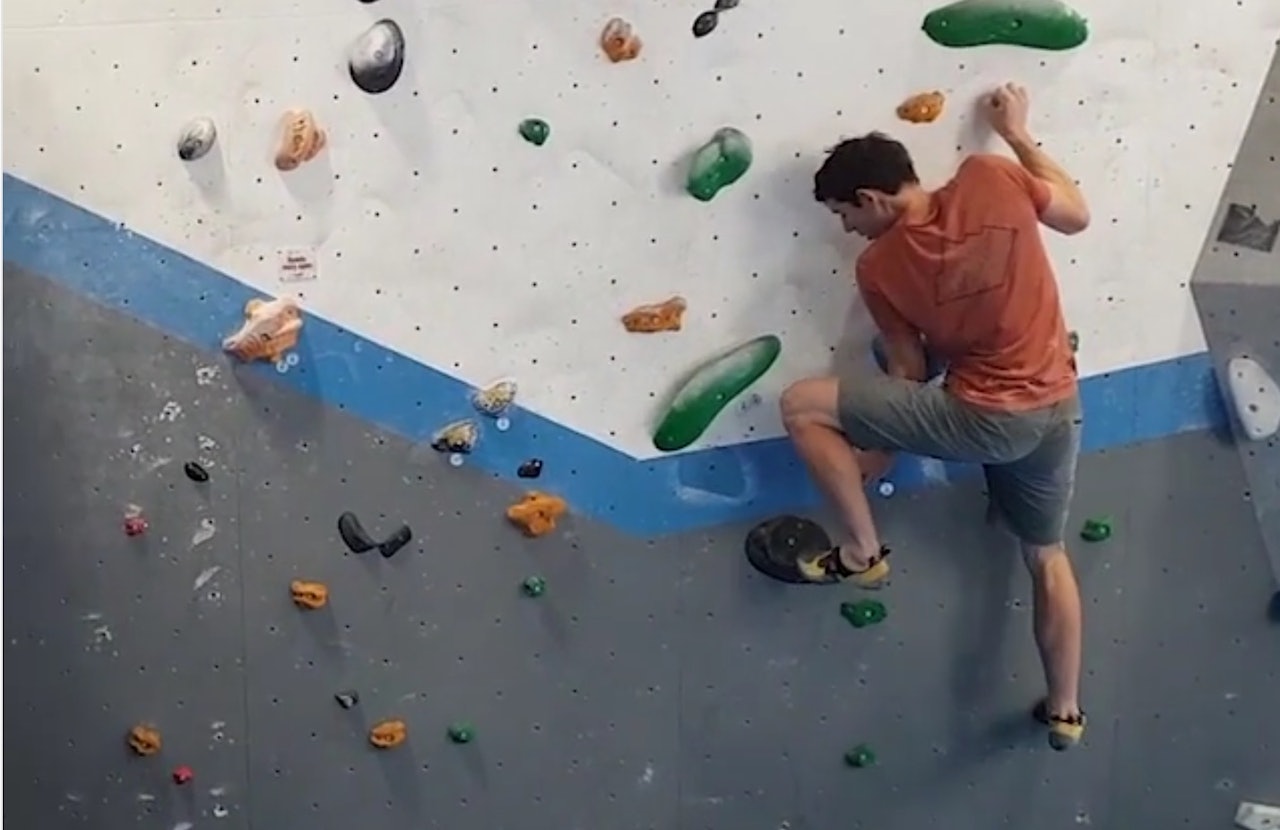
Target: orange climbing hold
[(667, 315), (619, 42), (270, 329), (923, 108), (310, 595), (301, 139), (144, 739), (536, 513), (388, 733)]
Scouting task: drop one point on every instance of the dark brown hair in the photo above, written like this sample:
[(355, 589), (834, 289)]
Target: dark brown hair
[(872, 162)]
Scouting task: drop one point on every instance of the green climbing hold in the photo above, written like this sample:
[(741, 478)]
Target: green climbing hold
[(864, 612), (1074, 340), (535, 131), (710, 389), (719, 163), (1096, 530), (534, 586), (1035, 24), (462, 733), (860, 756)]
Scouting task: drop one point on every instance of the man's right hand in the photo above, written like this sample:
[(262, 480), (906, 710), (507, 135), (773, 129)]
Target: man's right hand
[(1006, 110)]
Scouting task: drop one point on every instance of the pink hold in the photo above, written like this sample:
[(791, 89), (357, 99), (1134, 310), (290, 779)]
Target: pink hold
[(134, 525)]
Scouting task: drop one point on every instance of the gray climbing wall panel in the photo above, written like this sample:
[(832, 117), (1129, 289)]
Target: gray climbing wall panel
[(658, 684), (1236, 286)]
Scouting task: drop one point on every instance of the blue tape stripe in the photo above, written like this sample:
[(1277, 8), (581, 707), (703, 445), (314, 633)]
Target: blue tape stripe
[(159, 286)]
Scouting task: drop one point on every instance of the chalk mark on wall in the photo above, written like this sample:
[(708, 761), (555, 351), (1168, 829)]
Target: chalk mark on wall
[(1244, 228)]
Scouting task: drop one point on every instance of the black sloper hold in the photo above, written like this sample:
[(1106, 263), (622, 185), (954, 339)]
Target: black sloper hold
[(353, 534), (347, 699), (705, 23), (392, 544), (377, 57), (195, 472), (530, 469)]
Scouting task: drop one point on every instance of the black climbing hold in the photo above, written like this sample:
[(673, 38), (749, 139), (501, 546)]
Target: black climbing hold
[(353, 534), (195, 472), (1274, 610), (725, 5), (773, 546), (860, 756), (377, 57), (196, 139), (530, 469), (705, 23), (347, 699), (391, 545)]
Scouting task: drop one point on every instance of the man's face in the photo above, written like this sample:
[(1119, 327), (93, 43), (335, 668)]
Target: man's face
[(869, 219)]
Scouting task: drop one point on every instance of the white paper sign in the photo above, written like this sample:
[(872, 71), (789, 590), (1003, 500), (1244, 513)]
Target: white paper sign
[(297, 265)]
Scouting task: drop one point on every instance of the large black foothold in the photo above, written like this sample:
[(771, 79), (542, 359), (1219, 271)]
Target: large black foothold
[(377, 57), (353, 534), (391, 545), (195, 472), (705, 23), (773, 546), (530, 469)]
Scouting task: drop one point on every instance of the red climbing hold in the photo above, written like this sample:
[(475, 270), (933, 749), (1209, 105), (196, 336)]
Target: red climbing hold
[(135, 524), (183, 774)]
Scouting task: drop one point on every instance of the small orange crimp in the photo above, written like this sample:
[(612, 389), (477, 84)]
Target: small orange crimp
[(270, 329), (388, 733), (619, 42), (144, 739), (667, 315), (301, 139), (536, 513), (310, 595), (922, 108)]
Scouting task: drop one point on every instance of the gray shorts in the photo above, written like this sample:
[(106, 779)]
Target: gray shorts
[(1029, 457)]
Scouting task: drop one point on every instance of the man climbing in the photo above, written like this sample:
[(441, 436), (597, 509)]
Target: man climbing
[(962, 272)]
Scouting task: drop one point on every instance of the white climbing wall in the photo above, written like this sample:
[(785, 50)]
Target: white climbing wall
[(443, 235)]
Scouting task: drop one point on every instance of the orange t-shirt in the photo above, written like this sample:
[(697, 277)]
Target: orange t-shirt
[(974, 279)]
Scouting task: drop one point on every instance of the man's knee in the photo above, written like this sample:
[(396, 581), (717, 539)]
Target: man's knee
[(810, 402)]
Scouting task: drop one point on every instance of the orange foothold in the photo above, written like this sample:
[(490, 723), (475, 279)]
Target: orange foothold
[(270, 329), (301, 139), (310, 595), (388, 733), (536, 513), (922, 108), (144, 739), (619, 42), (664, 316)]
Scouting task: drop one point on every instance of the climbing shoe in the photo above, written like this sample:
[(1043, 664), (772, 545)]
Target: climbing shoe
[(1064, 733), (828, 567)]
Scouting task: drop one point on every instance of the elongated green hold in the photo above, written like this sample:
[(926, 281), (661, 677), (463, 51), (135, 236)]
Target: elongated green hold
[(719, 163), (710, 389), (1035, 24)]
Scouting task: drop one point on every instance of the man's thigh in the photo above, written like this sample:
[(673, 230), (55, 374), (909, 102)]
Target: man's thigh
[(1033, 494), (879, 412)]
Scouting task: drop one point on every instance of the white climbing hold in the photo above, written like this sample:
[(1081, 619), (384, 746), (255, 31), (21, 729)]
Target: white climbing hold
[(282, 366), (456, 459), (1251, 816), (503, 424), (1256, 397), (886, 488), (292, 358)]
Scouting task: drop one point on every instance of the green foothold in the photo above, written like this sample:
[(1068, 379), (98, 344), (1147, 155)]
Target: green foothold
[(462, 733), (1074, 340), (719, 163), (534, 586), (1042, 24), (1096, 530), (864, 612), (535, 131), (860, 756), (710, 389)]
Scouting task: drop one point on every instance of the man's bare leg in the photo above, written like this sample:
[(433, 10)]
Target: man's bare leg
[(841, 471), (1058, 632)]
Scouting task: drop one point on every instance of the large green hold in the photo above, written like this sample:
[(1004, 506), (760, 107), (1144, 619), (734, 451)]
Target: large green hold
[(719, 163), (1036, 24), (710, 389)]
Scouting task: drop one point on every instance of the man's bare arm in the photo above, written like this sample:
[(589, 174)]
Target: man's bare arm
[(1068, 211)]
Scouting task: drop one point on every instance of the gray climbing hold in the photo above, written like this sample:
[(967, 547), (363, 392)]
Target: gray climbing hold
[(1255, 396), (725, 5), (377, 57), (197, 138)]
